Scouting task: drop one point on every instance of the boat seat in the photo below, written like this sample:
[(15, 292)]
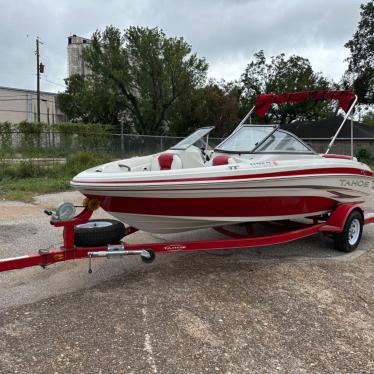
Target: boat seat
[(166, 161), (222, 160), (332, 155)]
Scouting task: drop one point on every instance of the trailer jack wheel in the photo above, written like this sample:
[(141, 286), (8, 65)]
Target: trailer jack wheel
[(148, 256), (349, 239)]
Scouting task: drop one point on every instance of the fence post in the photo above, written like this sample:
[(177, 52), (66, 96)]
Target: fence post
[(351, 137), (161, 143), (121, 120), (122, 141), (53, 134)]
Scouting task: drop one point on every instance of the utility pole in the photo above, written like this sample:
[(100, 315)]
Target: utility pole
[(37, 80)]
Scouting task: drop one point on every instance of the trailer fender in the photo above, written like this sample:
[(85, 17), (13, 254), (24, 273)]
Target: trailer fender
[(338, 217)]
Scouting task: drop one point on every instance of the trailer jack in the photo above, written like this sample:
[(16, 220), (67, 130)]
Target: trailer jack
[(118, 250)]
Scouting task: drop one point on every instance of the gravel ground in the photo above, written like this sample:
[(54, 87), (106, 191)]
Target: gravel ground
[(300, 307)]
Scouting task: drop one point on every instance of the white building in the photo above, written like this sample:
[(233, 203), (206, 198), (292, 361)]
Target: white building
[(17, 105), (76, 45)]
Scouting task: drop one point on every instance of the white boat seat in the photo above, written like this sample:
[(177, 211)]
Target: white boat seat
[(166, 161)]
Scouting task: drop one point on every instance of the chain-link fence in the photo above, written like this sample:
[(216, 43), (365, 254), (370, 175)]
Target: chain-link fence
[(54, 144), (59, 145), (342, 145)]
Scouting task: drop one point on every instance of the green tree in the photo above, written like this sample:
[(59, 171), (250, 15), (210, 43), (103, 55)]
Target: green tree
[(281, 75), (361, 62), (216, 104), (74, 101), (139, 73), (90, 101), (368, 118)]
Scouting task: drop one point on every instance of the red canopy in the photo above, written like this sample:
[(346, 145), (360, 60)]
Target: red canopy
[(264, 101)]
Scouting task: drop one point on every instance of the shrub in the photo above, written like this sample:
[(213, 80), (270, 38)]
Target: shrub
[(363, 155), (30, 135), (24, 169), (5, 139), (80, 161), (75, 163)]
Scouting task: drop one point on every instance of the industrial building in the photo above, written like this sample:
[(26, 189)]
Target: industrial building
[(76, 45), (17, 105)]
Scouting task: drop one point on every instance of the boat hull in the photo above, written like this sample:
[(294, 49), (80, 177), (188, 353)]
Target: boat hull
[(162, 215), (176, 207)]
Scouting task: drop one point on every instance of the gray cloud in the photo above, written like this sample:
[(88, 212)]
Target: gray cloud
[(226, 32)]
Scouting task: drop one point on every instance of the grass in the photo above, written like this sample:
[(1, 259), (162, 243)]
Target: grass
[(25, 189), (25, 180)]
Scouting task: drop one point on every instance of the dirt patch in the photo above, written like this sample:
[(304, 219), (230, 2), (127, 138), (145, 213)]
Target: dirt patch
[(10, 212), (11, 233)]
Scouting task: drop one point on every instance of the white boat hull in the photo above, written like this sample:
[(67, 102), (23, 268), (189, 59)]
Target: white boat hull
[(176, 203)]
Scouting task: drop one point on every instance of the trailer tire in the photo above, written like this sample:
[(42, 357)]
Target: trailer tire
[(99, 232), (349, 239)]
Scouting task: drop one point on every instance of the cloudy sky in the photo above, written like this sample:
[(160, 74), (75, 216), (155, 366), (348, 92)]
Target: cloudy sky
[(225, 32)]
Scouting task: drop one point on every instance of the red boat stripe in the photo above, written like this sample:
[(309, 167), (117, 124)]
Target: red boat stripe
[(353, 171), (217, 207)]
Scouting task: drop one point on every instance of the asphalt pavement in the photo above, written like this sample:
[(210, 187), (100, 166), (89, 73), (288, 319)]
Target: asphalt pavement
[(300, 307)]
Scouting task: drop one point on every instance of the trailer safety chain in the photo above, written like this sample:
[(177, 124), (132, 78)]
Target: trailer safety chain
[(89, 263)]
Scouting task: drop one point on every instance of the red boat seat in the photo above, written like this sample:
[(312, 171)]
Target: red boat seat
[(221, 160), (332, 155), (166, 161)]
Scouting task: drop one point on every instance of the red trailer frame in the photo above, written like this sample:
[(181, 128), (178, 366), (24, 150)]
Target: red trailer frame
[(69, 251)]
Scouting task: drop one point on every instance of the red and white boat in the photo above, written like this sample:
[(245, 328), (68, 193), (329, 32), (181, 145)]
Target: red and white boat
[(258, 173)]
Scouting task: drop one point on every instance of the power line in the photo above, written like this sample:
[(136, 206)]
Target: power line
[(57, 84)]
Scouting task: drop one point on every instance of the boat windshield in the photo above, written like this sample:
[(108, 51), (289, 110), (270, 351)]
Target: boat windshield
[(262, 139), (245, 139), (193, 138)]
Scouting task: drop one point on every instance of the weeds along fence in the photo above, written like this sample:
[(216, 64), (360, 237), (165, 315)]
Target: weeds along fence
[(39, 141)]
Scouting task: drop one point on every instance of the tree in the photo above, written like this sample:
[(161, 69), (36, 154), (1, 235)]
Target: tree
[(216, 104), (141, 73), (87, 101), (368, 118), (283, 75), (361, 61), (73, 102)]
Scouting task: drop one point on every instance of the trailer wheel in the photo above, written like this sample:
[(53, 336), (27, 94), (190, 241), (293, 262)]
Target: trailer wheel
[(349, 239), (98, 232)]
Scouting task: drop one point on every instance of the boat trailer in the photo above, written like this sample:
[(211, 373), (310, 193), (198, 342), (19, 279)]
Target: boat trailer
[(286, 231)]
